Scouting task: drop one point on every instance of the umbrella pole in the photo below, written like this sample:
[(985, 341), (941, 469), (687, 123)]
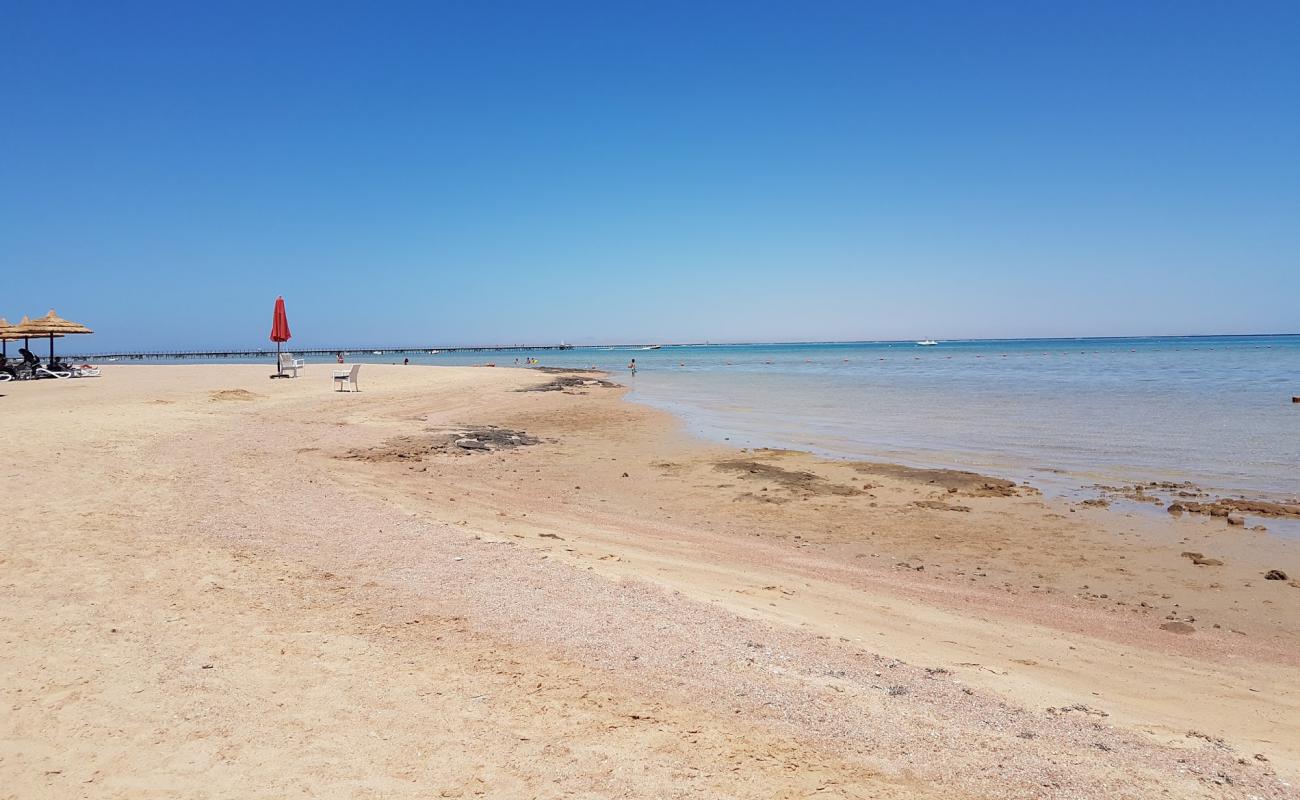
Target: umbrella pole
[(51, 351), (279, 367)]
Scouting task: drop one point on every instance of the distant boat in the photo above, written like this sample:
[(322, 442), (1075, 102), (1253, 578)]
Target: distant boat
[(927, 343), (652, 347), (377, 352)]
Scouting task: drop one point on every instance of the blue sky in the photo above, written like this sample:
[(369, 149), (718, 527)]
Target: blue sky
[(441, 173)]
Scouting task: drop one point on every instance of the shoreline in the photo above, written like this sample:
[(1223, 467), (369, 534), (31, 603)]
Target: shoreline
[(1066, 484), (781, 603)]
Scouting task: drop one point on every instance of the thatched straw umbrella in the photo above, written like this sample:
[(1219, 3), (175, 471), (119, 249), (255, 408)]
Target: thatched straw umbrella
[(15, 333), (5, 336), (51, 325)]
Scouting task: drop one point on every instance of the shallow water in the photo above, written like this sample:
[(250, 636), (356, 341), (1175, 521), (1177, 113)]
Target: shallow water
[(1213, 410)]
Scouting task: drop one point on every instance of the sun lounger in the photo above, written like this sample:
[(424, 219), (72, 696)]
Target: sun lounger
[(290, 364), (348, 377), (85, 371), (49, 373)]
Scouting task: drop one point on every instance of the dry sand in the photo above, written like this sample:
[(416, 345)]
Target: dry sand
[(217, 585)]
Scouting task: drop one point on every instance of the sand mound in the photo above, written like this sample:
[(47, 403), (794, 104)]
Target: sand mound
[(234, 394)]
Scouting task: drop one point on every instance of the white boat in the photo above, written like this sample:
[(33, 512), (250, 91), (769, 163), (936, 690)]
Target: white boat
[(652, 347), (927, 343)]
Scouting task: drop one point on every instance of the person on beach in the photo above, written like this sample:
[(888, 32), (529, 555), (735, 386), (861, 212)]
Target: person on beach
[(406, 362), (4, 367), (632, 366), (339, 354)]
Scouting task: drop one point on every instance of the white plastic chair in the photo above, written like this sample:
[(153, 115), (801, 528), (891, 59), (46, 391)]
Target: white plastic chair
[(290, 364), (348, 377)]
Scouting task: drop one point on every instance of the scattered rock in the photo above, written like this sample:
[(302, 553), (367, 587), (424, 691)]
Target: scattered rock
[(1207, 562), (939, 505), (1236, 521), (1176, 509), (569, 382), (792, 480), (971, 484), (1275, 575), (1258, 508), (464, 442), (1080, 707), (1177, 627)]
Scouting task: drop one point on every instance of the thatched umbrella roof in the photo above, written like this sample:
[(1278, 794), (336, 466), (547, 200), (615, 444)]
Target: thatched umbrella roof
[(12, 333), (49, 325), (5, 327)]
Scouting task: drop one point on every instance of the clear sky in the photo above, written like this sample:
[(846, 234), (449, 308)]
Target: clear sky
[(474, 172)]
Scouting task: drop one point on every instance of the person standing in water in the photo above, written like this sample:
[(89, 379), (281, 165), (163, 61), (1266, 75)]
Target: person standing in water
[(632, 366)]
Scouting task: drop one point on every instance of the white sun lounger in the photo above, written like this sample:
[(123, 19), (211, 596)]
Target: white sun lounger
[(348, 377), (52, 373)]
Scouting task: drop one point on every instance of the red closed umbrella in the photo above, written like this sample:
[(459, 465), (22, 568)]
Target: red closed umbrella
[(279, 331)]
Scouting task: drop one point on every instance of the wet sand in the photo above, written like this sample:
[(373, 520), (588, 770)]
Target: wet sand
[(444, 584)]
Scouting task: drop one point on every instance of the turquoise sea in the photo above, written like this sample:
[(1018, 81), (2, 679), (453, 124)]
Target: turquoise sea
[(1215, 410)]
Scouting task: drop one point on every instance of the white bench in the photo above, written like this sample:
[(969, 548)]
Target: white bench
[(348, 377)]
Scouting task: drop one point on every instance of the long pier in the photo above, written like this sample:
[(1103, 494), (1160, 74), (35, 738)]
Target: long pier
[(325, 351)]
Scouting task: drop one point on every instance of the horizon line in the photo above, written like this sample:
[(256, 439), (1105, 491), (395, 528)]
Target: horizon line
[(705, 343)]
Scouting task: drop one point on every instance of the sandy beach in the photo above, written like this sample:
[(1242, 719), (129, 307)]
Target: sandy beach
[(472, 582)]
